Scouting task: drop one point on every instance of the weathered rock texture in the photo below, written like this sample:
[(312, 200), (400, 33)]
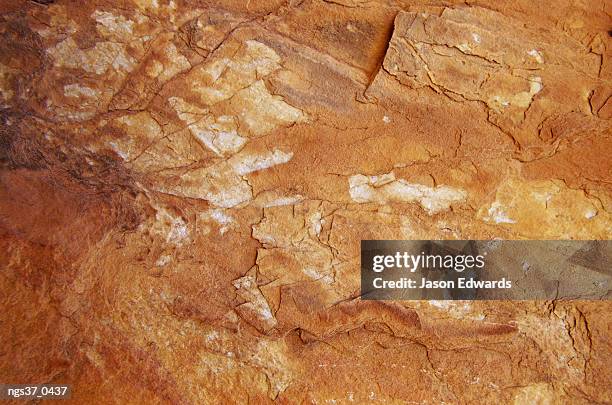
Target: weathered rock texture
[(185, 183)]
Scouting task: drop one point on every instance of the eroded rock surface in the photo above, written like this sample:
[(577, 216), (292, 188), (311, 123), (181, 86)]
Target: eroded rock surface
[(185, 185)]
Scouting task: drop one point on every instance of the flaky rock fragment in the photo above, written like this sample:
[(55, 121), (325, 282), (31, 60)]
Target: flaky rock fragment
[(547, 208), (519, 77), (140, 130), (235, 66), (223, 183), (233, 80), (102, 57), (256, 309), (218, 134)]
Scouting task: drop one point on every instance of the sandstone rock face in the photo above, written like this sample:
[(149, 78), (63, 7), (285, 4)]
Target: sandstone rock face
[(185, 185)]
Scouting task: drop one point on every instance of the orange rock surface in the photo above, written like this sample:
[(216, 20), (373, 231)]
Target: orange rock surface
[(185, 184)]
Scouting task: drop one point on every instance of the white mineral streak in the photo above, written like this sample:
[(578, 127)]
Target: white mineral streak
[(537, 55), (497, 214), (223, 184), (76, 90), (247, 163), (277, 202), (220, 217), (98, 59), (256, 305), (171, 226), (110, 24), (386, 188), (223, 77)]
